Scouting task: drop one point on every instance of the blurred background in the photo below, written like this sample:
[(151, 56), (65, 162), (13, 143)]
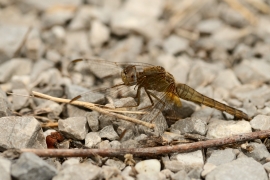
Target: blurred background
[(219, 47)]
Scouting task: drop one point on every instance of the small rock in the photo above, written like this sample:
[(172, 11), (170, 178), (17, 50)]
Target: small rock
[(12, 37), (5, 166), (10, 68), (92, 139), (111, 172), (267, 167), (243, 168), (39, 67), (58, 15), (191, 160), (99, 33), (195, 173), (220, 128), (20, 102), (253, 71), (20, 82), (125, 51), (115, 144), (232, 17), (82, 18), (104, 145), (77, 44), (207, 168), (73, 111), (226, 79), (148, 166), (219, 157), (79, 172), (5, 106), (168, 174), (33, 45), (202, 73), (70, 162), (260, 122), (115, 163), (189, 125), (259, 151), (92, 119), (109, 133), (181, 175), (74, 127), (30, 166), (209, 26), (93, 97), (174, 44), (21, 132), (136, 16)]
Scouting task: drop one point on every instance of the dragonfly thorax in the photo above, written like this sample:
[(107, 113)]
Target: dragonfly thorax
[(129, 75)]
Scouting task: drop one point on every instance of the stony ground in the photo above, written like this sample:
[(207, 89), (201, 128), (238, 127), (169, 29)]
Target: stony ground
[(218, 47)]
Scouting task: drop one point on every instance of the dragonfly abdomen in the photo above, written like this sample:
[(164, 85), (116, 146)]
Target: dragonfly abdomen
[(188, 93)]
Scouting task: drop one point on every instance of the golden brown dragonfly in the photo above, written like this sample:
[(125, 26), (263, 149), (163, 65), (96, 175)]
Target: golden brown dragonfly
[(158, 84)]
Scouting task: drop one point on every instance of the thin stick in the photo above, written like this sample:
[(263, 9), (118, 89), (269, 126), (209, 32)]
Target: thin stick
[(153, 151), (93, 107)]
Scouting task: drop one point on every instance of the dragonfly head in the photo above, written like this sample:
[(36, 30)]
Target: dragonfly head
[(129, 75)]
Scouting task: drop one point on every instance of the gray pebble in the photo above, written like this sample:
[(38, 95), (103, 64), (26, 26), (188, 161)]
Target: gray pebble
[(5, 167), (220, 128), (21, 132), (219, 157), (12, 37), (243, 168), (260, 122), (92, 139), (29, 166), (109, 133), (79, 172), (74, 127)]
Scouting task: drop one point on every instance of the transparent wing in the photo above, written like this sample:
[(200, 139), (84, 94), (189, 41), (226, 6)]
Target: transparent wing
[(103, 68)]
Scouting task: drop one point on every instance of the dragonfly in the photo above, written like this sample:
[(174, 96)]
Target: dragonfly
[(159, 86)]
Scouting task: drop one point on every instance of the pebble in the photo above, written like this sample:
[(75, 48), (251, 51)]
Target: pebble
[(259, 151), (92, 139), (74, 127), (5, 167), (209, 26), (20, 102), (190, 125), (109, 133), (34, 47), (191, 160), (99, 33), (87, 96), (119, 165), (219, 157), (10, 68), (79, 172), (260, 122), (253, 71), (12, 38), (226, 79), (21, 132), (92, 119), (148, 166), (174, 44), (242, 168), (5, 105), (30, 166), (220, 128)]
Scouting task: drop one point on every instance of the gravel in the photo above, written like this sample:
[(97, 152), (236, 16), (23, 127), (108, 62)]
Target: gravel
[(221, 52)]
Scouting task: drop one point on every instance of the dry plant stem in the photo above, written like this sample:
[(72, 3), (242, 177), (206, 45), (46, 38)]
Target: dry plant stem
[(153, 151), (94, 108), (260, 5)]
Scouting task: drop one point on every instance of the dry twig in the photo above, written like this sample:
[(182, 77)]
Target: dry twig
[(152, 151), (94, 108)]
